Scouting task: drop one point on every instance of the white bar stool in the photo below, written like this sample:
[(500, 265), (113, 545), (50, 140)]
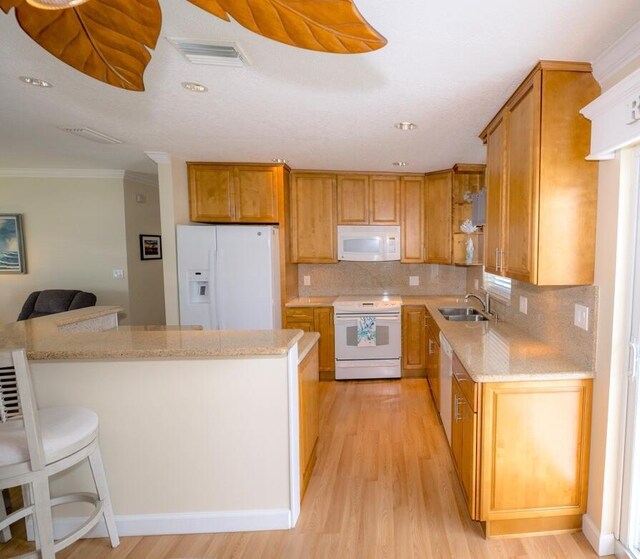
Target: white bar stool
[(36, 444)]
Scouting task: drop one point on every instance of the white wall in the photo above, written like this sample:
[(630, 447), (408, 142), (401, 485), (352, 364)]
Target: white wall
[(74, 238), (145, 280)]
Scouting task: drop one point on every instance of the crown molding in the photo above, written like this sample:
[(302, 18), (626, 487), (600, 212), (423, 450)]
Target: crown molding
[(146, 179), (64, 173), (623, 52), (159, 156)]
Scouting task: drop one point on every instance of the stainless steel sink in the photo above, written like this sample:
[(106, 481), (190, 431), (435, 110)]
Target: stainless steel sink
[(462, 314)]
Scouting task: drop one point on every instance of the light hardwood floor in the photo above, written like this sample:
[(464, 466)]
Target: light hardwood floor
[(383, 487)]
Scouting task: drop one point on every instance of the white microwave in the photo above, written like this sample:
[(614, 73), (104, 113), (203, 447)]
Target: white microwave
[(369, 243)]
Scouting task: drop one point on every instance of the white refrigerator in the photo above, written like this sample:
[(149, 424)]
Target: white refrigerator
[(229, 276)]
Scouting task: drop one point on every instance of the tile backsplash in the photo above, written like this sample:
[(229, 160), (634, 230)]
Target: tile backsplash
[(550, 315), (373, 278)]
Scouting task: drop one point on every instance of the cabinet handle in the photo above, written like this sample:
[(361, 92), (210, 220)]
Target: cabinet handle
[(430, 347), (456, 415)]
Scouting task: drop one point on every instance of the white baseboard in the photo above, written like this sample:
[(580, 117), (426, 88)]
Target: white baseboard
[(603, 544), (184, 523)]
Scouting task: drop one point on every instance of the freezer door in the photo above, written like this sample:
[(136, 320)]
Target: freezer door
[(196, 246), (247, 290)]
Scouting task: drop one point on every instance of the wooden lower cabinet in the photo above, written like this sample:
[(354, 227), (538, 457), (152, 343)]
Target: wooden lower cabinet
[(309, 415), (522, 452), (414, 354), (433, 359), (316, 319)]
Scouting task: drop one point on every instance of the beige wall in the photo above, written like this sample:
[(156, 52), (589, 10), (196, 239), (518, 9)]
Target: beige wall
[(74, 238), (145, 281)]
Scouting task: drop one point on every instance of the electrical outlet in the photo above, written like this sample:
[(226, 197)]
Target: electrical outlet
[(118, 274), (306, 280), (476, 284), (523, 304), (414, 280), (581, 317)]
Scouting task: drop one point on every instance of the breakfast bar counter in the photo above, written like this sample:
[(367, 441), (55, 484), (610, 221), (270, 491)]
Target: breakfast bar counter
[(199, 429)]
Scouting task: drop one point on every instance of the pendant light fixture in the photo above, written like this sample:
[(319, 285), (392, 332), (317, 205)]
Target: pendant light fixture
[(55, 4)]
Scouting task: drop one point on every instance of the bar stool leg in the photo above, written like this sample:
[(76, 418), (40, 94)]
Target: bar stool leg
[(100, 479), (44, 522), (5, 535)]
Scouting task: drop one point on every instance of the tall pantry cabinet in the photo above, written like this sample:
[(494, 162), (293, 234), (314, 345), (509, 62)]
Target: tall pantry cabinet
[(541, 191)]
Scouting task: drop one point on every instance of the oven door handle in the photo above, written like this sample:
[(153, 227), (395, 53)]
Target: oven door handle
[(353, 318)]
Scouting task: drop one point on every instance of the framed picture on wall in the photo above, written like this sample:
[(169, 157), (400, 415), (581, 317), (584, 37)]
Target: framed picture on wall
[(12, 245), (150, 247)]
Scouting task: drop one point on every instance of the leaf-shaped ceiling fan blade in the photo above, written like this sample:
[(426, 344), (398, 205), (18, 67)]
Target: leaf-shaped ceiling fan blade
[(6, 5), (324, 25), (104, 39), (210, 6)]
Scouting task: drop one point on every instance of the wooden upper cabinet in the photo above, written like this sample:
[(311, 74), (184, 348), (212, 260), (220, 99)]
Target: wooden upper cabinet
[(368, 200), (438, 194), (257, 195), (313, 218), (353, 199), (211, 193), (220, 193), (384, 200), (412, 218), (494, 233), (546, 228)]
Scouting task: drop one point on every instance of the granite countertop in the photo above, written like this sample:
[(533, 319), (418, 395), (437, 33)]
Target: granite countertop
[(311, 302), (44, 341), (308, 340), (494, 351)]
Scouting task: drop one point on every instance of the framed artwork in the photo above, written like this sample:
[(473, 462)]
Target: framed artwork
[(150, 247), (12, 245)]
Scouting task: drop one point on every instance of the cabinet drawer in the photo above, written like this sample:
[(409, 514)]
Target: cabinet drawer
[(468, 386), (304, 314)]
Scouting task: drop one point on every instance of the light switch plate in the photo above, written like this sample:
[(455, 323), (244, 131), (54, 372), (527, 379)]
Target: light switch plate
[(581, 317), (306, 280), (414, 280), (523, 304), (118, 274)]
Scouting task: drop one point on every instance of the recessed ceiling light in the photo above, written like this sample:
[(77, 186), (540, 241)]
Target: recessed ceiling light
[(195, 87), (405, 126), (400, 163), (278, 160), (35, 81)]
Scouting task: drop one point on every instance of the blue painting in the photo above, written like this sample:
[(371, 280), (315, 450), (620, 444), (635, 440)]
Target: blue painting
[(11, 244)]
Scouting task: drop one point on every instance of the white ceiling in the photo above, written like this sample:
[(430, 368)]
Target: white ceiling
[(448, 67)]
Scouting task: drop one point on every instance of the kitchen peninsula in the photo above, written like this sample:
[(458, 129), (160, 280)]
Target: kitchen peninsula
[(198, 429)]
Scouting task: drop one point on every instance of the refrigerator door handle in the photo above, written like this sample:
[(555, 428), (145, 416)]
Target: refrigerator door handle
[(218, 254), (213, 290)]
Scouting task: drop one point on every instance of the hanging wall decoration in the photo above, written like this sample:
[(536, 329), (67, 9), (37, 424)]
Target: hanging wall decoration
[(12, 245)]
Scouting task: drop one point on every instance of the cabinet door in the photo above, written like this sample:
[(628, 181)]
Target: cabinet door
[(433, 368), (211, 193), (309, 414), (464, 423), (353, 199), (411, 207), (384, 200), (313, 218), (413, 339), (256, 194), (493, 235), (535, 449), (521, 220), (323, 323), (437, 212)]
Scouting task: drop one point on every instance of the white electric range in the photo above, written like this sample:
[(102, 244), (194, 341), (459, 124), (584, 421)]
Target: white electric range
[(367, 336)]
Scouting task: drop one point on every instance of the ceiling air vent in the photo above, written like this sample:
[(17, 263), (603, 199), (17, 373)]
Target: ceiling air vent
[(90, 134), (218, 53)]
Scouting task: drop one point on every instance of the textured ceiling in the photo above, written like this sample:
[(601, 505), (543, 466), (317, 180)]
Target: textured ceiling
[(448, 67)]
